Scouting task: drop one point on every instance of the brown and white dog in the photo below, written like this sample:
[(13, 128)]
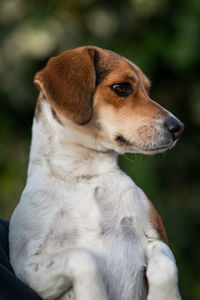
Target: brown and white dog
[(83, 229)]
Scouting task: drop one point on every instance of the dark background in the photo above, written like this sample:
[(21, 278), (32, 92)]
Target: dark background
[(163, 38)]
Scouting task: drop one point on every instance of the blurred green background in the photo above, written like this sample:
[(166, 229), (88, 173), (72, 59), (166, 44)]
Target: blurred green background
[(163, 38)]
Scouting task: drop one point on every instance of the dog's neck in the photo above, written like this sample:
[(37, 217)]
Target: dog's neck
[(64, 153)]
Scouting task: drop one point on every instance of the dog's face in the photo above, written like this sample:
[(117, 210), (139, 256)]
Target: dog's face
[(107, 97)]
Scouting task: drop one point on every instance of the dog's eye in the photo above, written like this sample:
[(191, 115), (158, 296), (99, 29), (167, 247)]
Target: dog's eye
[(123, 89)]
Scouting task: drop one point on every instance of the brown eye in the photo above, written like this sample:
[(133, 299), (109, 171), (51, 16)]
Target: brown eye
[(123, 89)]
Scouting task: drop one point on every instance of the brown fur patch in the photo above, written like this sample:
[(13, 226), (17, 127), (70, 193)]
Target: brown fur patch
[(105, 62), (119, 72), (157, 223), (68, 82)]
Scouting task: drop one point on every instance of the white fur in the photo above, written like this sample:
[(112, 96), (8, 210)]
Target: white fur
[(82, 223)]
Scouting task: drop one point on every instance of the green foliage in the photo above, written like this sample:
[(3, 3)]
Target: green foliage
[(162, 37)]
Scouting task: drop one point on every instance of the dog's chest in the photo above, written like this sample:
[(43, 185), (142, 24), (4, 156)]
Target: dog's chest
[(103, 219), (91, 211)]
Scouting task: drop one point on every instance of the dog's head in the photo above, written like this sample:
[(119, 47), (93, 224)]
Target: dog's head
[(109, 96)]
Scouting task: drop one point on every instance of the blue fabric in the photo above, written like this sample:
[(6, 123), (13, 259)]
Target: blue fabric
[(11, 288)]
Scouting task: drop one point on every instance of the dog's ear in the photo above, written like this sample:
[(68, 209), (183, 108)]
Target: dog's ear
[(68, 82)]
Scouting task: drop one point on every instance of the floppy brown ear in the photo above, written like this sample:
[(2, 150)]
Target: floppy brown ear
[(68, 82)]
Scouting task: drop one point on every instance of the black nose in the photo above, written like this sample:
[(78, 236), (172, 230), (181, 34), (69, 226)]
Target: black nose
[(175, 126)]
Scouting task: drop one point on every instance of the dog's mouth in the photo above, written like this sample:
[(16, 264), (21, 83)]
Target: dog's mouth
[(146, 148), (159, 149)]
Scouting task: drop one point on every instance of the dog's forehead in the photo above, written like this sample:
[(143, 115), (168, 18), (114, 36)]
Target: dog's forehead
[(111, 62), (139, 72)]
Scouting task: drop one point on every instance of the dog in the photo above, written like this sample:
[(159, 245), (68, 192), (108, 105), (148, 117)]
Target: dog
[(83, 229)]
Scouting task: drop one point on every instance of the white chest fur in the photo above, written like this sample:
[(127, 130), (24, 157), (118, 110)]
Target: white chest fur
[(104, 215), (93, 210)]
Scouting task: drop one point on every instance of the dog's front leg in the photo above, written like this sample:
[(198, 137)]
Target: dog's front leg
[(52, 275), (161, 272)]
